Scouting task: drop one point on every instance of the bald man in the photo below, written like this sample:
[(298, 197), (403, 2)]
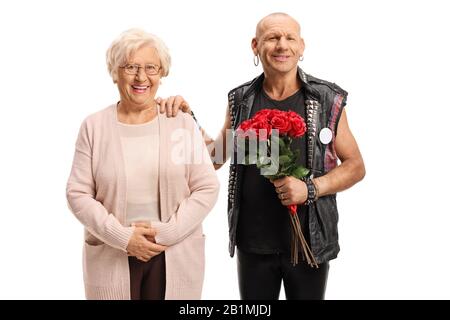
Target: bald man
[(258, 221)]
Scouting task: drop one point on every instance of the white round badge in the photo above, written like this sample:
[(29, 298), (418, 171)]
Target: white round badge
[(325, 135)]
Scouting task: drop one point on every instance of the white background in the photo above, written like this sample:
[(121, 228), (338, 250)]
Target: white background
[(392, 57)]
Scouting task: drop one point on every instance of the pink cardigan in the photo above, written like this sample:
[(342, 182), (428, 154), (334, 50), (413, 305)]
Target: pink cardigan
[(96, 193)]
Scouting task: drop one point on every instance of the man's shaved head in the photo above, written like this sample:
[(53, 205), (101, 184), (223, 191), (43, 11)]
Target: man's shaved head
[(273, 17)]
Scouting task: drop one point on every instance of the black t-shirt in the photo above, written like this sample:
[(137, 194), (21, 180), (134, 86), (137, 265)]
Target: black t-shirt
[(264, 225)]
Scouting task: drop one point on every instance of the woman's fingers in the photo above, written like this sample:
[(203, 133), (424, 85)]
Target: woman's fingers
[(141, 224), (156, 247), (148, 232)]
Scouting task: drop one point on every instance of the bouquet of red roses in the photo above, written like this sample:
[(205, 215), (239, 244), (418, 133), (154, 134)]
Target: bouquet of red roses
[(273, 131)]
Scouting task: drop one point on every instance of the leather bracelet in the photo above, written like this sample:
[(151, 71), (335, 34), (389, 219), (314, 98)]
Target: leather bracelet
[(312, 192)]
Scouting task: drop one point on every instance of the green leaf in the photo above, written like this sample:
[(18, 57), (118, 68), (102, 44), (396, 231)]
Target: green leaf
[(290, 169), (281, 143), (284, 159), (287, 140), (289, 153), (300, 172), (284, 148)]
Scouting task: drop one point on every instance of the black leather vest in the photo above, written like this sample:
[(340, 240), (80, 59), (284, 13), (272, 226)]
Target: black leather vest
[(324, 103)]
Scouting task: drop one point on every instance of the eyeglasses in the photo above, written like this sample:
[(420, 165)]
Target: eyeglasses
[(133, 69)]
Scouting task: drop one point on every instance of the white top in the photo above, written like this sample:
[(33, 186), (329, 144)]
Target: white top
[(140, 146)]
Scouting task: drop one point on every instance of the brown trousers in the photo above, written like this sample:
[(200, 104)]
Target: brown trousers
[(148, 279)]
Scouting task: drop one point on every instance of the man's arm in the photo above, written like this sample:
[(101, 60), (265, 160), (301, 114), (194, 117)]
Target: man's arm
[(220, 142), (350, 171)]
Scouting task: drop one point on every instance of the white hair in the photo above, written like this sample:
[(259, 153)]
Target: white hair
[(130, 41)]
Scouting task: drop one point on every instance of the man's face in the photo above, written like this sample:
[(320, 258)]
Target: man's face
[(278, 44)]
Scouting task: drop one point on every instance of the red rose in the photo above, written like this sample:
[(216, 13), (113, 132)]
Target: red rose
[(293, 115), (245, 125), (281, 122), (244, 130), (277, 112), (255, 126), (263, 114), (298, 127), (259, 126)]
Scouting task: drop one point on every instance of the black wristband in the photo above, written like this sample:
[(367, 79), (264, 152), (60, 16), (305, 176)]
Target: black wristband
[(312, 192)]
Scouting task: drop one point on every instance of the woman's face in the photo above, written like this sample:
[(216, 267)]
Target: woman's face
[(139, 89)]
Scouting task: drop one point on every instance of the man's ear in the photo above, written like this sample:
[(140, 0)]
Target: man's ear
[(302, 45), (254, 46)]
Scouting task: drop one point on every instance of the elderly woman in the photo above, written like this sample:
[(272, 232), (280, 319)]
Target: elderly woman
[(141, 184)]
